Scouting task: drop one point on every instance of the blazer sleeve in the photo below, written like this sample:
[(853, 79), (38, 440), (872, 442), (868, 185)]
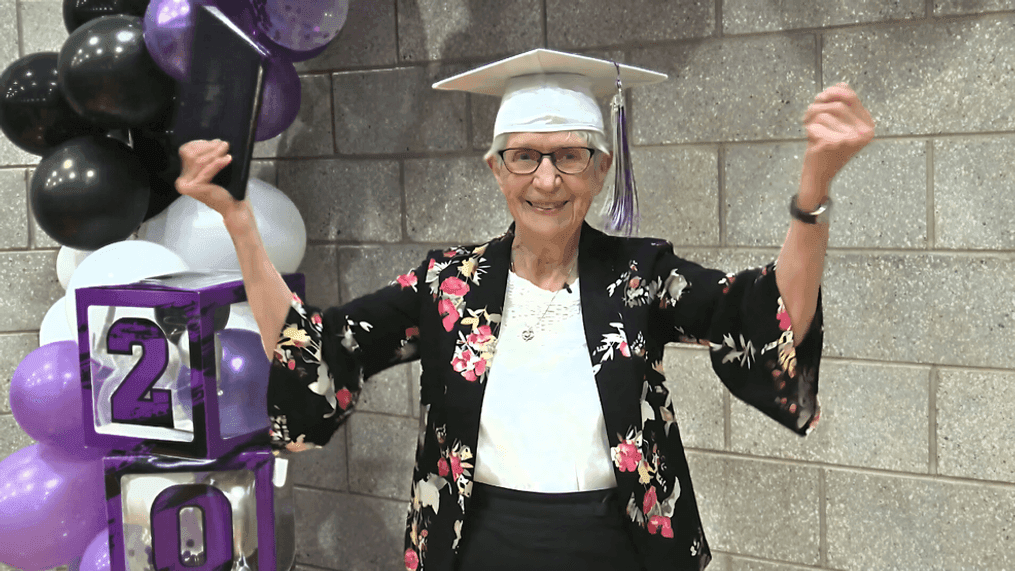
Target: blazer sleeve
[(743, 320), (323, 357)]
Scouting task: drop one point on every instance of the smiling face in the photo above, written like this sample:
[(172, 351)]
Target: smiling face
[(548, 204)]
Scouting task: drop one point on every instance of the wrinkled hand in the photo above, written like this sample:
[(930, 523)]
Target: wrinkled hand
[(202, 160), (837, 126)]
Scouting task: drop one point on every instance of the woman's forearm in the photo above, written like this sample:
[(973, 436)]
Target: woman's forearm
[(267, 293), (802, 258)]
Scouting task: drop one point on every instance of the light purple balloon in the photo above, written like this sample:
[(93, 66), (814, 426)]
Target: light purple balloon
[(96, 556), (51, 507), (46, 395), (281, 100), (243, 382), (301, 25)]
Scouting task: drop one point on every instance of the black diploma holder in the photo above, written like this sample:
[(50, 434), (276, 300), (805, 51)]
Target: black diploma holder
[(222, 98)]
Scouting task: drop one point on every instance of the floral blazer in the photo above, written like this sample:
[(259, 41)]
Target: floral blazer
[(636, 297)]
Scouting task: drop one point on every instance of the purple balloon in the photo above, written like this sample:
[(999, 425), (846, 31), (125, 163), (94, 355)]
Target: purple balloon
[(243, 382), (46, 395), (169, 30), (281, 100), (46, 399), (301, 25), (51, 507), (96, 556)]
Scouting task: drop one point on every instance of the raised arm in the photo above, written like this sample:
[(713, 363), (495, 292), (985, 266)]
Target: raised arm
[(267, 293), (837, 126)]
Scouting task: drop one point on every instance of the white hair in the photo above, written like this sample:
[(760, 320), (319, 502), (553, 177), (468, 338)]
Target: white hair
[(594, 139)]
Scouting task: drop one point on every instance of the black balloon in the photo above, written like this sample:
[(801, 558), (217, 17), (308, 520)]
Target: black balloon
[(157, 151), (107, 76), (77, 12), (33, 112), (89, 192)]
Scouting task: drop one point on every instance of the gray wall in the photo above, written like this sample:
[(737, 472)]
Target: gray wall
[(912, 465)]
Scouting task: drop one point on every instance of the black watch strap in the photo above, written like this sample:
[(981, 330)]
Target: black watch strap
[(820, 215)]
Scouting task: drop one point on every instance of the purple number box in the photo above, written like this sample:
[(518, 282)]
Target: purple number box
[(175, 362), (171, 513)]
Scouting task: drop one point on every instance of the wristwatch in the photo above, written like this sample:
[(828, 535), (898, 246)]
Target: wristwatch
[(820, 215)]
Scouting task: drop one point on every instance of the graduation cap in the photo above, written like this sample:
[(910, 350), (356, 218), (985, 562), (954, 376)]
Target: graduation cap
[(545, 91)]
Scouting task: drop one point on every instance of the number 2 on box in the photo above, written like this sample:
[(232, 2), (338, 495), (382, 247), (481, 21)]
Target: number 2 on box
[(135, 401)]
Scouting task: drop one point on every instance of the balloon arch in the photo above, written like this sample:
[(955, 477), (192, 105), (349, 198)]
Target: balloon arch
[(98, 114)]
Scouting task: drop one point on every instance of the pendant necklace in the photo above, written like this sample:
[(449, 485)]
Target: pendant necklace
[(529, 333)]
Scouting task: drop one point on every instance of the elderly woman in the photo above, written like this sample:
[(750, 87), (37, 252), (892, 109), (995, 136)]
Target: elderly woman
[(548, 439)]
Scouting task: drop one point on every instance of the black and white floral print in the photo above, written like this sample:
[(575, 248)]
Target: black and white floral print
[(637, 296)]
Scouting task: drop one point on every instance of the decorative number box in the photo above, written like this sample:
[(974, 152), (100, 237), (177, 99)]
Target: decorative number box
[(170, 513), (174, 362)]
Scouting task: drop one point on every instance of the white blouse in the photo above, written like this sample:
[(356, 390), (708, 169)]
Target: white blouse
[(542, 427)]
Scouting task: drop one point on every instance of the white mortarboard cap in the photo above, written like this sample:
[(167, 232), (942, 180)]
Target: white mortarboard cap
[(546, 91)]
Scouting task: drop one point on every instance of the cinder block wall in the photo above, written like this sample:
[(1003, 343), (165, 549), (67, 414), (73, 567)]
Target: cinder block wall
[(912, 465)]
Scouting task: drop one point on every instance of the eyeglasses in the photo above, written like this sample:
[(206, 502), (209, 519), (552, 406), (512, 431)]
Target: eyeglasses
[(569, 160)]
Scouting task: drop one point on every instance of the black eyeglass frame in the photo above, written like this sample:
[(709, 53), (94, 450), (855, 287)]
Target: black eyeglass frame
[(553, 161)]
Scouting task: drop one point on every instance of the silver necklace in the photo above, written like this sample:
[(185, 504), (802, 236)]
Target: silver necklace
[(529, 333)]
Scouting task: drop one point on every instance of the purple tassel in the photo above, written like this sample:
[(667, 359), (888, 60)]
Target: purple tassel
[(623, 212)]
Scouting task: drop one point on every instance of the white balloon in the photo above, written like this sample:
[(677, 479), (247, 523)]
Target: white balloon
[(121, 263), (55, 326), (241, 317), (199, 236), (67, 260)]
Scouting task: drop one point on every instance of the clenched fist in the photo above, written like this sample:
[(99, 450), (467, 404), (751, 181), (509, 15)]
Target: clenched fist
[(837, 126)]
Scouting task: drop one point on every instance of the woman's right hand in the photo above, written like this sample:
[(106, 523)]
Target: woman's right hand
[(202, 160)]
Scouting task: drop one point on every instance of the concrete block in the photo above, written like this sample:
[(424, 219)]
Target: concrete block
[(13, 209), (757, 508), (697, 396), (913, 308), (973, 205), (387, 392), (320, 266), (349, 532), (573, 26), (364, 269), (311, 133), (453, 200), (345, 199), (948, 7), (746, 16), (9, 32), (678, 194), (265, 169), (382, 452), (42, 28), (325, 468), (734, 89), (396, 111), (366, 39), (880, 196), (879, 521), (975, 435), (456, 29), (861, 403), (13, 349), (744, 564), (28, 290), (941, 77)]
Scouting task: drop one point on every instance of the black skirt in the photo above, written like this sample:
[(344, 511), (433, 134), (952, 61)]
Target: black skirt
[(511, 530)]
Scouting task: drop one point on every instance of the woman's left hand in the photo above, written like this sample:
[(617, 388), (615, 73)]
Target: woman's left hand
[(837, 126)]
